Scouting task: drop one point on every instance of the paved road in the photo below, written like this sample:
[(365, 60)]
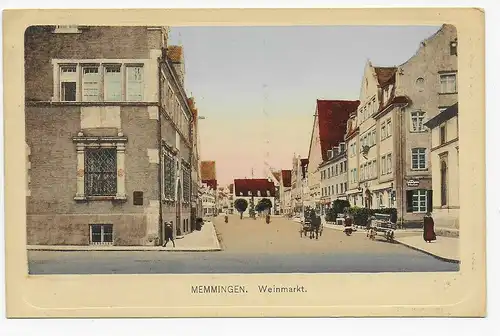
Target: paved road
[(251, 246)]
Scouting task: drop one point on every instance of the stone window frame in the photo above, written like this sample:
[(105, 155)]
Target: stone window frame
[(88, 142), (102, 225), (421, 196), (79, 64), (426, 153), (418, 114), (389, 163), (447, 74)]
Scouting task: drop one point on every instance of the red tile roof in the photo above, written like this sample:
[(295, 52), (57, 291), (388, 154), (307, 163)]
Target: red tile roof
[(208, 170), (174, 53), (286, 177), (244, 186), (332, 119), (212, 184), (386, 75)]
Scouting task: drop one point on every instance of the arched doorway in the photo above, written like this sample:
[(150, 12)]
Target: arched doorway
[(444, 183), (178, 209)]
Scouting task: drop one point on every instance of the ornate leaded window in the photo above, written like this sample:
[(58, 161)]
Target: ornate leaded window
[(168, 176), (186, 184), (100, 172)]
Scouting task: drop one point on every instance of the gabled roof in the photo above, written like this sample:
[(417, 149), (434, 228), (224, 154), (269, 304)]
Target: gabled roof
[(212, 184), (332, 120), (243, 187), (207, 169), (440, 118), (286, 178), (386, 75)]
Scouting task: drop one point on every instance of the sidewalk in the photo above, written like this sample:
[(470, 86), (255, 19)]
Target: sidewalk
[(443, 248), (204, 240)]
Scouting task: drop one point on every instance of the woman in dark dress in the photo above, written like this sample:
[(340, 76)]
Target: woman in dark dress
[(429, 234)]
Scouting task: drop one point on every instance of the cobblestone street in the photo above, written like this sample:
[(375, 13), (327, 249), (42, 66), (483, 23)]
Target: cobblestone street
[(250, 246), (282, 236)]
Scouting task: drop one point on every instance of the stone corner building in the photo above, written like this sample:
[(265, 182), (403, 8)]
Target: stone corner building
[(109, 136)]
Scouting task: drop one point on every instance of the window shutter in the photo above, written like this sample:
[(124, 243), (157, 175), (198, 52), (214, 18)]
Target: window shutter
[(429, 200), (409, 200)]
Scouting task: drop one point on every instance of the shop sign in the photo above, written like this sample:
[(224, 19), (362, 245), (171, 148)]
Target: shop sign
[(412, 183)]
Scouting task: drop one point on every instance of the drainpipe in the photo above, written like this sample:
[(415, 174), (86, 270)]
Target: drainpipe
[(160, 182), (402, 128)]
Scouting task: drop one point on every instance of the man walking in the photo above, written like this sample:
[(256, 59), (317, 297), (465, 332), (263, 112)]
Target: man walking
[(169, 234)]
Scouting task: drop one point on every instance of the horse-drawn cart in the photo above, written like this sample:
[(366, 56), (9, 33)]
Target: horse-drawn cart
[(312, 228), (382, 224)]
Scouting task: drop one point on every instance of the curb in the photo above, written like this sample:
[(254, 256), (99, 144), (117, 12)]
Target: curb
[(215, 237), (450, 260)]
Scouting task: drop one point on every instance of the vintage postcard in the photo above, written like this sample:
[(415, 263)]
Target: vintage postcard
[(245, 162)]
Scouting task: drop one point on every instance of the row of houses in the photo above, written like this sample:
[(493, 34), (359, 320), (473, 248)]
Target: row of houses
[(394, 147), (112, 145)]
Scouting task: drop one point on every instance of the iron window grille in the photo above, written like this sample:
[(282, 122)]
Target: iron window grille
[(100, 172)]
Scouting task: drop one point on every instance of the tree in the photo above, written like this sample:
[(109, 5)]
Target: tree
[(251, 211), (264, 204), (241, 205), (338, 207)]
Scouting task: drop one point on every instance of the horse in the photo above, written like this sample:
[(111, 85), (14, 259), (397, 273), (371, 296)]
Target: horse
[(315, 225)]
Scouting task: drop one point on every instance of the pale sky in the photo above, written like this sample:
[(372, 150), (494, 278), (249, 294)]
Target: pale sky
[(258, 84)]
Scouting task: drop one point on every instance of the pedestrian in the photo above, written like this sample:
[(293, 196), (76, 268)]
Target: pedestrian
[(370, 227), (429, 234), (169, 234)]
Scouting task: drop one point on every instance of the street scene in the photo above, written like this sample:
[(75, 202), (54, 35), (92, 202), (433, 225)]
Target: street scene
[(267, 248), (178, 150)]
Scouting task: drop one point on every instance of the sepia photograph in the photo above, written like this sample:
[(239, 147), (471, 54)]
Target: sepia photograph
[(244, 163), (232, 150)]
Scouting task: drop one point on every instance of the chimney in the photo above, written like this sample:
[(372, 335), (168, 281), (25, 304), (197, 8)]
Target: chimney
[(176, 56)]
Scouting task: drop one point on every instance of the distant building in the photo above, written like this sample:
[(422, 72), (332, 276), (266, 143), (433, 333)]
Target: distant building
[(445, 168), (329, 128), (333, 174), (209, 177), (109, 136), (256, 189), (208, 201), (285, 192)]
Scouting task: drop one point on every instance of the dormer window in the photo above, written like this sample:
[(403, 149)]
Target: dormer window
[(241, 194), (268, 193), (249, 193), (258, 193), (453, 47)]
